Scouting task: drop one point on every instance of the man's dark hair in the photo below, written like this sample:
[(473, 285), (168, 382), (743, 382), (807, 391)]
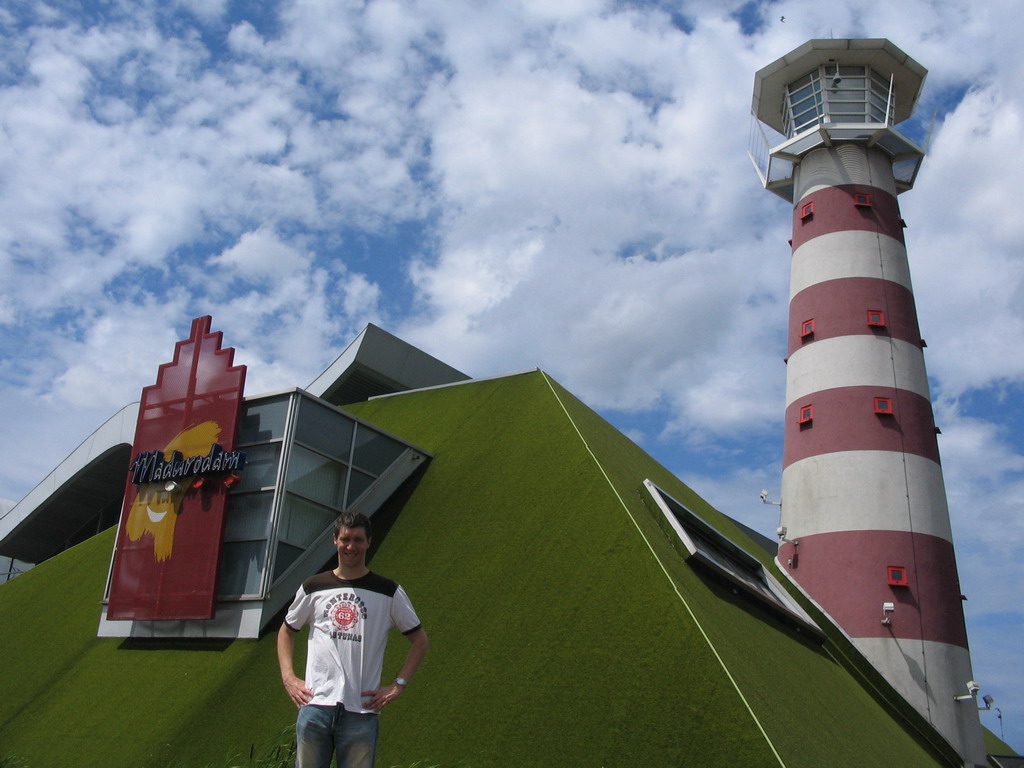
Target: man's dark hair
[(353, 520)]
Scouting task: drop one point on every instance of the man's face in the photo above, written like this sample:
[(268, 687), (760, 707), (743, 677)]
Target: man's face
[(352, 545)]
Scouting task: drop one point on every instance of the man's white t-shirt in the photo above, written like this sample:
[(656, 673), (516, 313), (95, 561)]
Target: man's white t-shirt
[(349, 623)]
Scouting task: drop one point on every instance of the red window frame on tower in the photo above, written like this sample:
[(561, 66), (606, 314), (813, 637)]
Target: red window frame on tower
[(806, 414), (807, 328), (807, 210), (862, 199), (883, 406), (897, 576), (876, 318)]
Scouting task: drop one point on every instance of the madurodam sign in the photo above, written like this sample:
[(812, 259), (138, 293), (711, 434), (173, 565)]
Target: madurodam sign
[(151, 466), (167, 551)]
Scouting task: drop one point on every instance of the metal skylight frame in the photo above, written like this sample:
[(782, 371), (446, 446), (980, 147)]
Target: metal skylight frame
[(711, 548)]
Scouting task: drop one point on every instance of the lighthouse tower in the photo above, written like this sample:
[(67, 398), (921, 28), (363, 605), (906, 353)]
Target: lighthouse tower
[(864, 524)]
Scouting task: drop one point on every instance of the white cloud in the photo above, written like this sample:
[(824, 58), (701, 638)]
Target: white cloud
[(103, 367), (206, 10), (262, 255), (960, 229)]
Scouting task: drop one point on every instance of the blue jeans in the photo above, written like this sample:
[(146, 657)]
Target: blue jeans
[(324, 731)]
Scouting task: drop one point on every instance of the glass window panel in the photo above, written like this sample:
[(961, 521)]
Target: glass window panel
[(261, 462), (248, 516), (241, 567), (263, 420), (801, 82), (806, 104), (302, 521), (316, 476), (803, 106), (807, 118), (709, 547), (374, 452), (752, 576), (850, 108), (779, 170), (803, 93), (904, 170), (895, 144), (286, 555), (802, 117), (326, 429), (847, 96), (358, 484)]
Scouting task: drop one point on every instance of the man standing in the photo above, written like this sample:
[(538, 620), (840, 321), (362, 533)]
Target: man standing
[(350, 611)]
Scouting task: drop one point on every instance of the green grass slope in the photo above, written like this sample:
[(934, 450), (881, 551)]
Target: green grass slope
[(71, 698), (624, 464), (566, 629)]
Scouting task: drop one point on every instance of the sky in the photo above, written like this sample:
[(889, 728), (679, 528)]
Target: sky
[(506, 185)]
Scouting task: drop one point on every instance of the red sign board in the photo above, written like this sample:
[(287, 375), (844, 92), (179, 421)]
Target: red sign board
[(168, 544)]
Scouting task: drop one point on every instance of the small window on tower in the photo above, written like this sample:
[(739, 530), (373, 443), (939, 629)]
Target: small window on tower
[(883, 405), (876, 318), (897, 576), (807, 328), (807, 211), (862, 199), (806, 414)]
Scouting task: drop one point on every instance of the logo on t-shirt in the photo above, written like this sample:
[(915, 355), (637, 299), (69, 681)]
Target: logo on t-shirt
[(345, 616), (345, 612)]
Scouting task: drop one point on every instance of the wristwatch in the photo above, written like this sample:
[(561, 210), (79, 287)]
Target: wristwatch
[(401, 681)]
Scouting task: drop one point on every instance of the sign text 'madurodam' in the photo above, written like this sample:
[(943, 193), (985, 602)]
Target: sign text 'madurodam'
[(151, 466)]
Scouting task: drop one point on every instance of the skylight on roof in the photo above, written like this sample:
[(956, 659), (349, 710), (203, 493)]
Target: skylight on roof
[(709, 547)]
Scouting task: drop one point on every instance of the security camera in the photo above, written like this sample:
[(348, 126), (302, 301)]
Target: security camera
[(782, 531), (763, 495), (972, 692)]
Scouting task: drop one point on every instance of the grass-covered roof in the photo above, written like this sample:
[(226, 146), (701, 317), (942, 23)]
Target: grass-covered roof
[(566, 628)]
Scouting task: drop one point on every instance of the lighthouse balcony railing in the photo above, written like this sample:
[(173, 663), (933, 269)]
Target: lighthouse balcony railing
[(775, 163), (776, 173)]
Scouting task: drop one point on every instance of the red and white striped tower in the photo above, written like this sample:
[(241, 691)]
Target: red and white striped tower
[(864, 523)]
